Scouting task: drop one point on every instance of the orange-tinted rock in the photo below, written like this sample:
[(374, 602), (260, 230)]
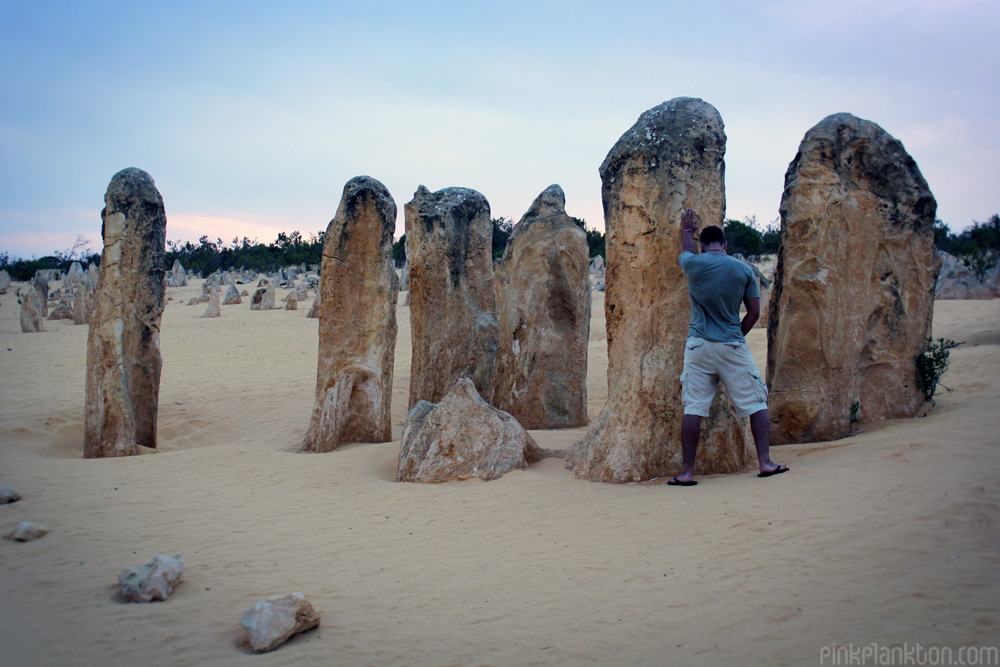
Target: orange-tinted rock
[(357, 323), (853, 290), (672, 158), (452, 310), (123, 347), (543, 312), (462, 437)]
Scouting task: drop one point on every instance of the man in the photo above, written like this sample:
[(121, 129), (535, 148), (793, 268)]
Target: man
[(716, 347)]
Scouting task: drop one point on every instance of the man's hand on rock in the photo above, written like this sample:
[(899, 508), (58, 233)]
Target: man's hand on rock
[(689, 220)]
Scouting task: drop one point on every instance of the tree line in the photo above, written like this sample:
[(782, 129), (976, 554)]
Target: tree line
[(978, 247)]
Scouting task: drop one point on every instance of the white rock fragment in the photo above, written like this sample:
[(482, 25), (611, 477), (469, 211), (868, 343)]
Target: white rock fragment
[(153, 580), (270, 623), (8, 494), (27, 531)]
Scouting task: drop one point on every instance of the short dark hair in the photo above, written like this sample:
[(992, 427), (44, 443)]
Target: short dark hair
[(713, 234)]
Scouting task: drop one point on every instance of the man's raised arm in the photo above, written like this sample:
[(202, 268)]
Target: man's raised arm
[(689, 225)]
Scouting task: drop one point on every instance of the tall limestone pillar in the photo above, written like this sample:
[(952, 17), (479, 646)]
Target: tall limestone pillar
[(853, 290), (123, 346), (543, 310), (672, 158), (357, 321), (452, 306)]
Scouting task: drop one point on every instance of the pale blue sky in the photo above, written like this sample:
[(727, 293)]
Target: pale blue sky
[(251, 116)]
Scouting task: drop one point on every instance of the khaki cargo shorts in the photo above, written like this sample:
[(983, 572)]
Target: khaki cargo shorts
[(706, 363)]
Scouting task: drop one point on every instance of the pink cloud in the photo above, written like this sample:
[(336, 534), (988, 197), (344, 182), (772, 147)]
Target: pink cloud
[(190, 227)]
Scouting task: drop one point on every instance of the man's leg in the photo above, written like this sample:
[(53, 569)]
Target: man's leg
[(690, 434), (760, 426), (699, 383)]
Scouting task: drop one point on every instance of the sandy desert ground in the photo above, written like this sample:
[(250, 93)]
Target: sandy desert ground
[(889, 536)]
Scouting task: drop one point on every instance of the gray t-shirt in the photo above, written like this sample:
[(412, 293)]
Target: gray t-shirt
[(717, 285)]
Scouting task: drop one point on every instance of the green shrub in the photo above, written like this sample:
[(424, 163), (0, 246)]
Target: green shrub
[(932, 364)]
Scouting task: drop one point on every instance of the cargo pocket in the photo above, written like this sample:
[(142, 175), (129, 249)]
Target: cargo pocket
[(693, 343), (759, 388)]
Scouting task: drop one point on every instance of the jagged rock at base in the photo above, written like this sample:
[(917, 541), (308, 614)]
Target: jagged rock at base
[(272, 622), (453, 323), (31, 310), (461, 437), (543, 312), (4, 281), (123, 346), (957, 281), (155, 579), (8, 495), (26, 531), (672, 158), (596, 265), (263, 298), (852, 300), (301, 292), (214, 306), (177, 277), (232, 296), (201, 298), (357, 324), (292, 301)]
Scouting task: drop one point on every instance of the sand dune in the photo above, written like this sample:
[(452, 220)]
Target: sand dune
[(890, 536)]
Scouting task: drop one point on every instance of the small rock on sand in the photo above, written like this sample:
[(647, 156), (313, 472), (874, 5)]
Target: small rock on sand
[(270, 623), (8, 494), (153, 580), (27, 531)]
